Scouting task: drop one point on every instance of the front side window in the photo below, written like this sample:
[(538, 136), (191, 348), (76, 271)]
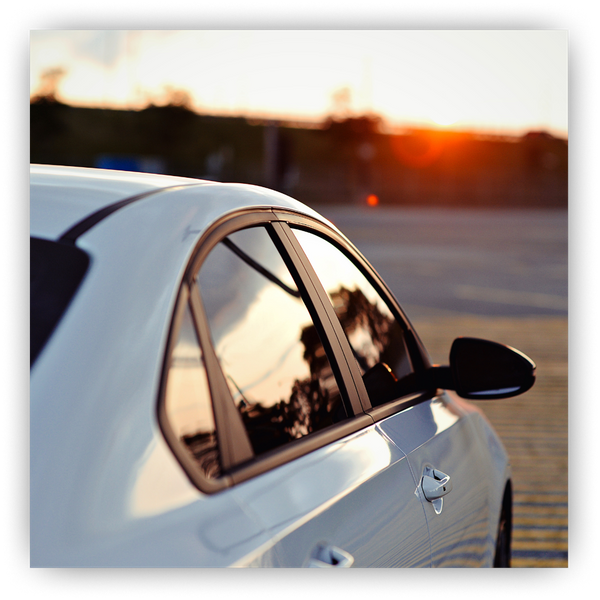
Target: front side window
[(269, 349), (375, 336)]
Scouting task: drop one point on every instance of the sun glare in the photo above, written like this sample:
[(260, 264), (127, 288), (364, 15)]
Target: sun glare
[(444, 119)]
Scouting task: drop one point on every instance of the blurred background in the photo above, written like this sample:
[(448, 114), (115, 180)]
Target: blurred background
[(452, 118), (443, 155)]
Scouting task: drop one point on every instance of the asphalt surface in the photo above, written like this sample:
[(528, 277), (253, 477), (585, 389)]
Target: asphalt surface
[(482, 262), (500, 275)]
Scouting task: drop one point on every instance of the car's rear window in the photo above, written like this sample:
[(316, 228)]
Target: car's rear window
[(55, 270)]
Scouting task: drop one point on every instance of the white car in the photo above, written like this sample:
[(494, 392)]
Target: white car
[(219, 378)]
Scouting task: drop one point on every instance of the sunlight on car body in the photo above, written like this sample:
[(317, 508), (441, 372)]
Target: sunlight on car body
[(159, 485)]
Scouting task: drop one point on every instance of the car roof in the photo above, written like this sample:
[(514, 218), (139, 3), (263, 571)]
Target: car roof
[(60, 196), (64, 198)]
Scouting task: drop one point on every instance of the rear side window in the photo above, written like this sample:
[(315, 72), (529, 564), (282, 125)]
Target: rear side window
[(278, 372), (187, 400), (55, 272)]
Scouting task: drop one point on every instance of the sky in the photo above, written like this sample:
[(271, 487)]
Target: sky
[(497, 81)]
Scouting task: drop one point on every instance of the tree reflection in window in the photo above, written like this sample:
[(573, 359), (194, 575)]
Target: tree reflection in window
[(375, 336), (278, 372)]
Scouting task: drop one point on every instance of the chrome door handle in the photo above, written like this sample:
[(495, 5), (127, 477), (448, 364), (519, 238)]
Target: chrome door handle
[(325, 557), (435, 485)]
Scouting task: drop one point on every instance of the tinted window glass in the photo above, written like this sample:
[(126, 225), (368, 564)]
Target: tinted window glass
[(374, 334), (269, 349), (55, 272), (187, 400)]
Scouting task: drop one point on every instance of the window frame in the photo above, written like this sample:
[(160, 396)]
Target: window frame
[(416, 349), (238, 461)]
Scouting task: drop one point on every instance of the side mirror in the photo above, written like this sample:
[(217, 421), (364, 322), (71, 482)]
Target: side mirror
[(484, 370)]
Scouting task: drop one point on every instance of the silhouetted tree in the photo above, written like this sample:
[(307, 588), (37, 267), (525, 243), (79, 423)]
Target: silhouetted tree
[(49, 86)]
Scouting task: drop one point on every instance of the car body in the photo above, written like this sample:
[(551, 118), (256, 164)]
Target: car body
[(219, 378)]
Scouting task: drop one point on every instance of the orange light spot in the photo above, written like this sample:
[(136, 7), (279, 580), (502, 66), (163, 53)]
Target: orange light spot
[(419, 149), (372, 200)]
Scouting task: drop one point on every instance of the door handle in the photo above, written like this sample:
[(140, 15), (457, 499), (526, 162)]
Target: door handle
[(326, 556), (435, 485)]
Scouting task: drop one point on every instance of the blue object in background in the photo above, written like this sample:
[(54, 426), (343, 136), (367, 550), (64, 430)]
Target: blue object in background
[(142, 164)]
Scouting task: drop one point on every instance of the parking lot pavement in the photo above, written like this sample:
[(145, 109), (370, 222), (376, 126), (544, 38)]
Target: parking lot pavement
[(484, 262), (533, 426)]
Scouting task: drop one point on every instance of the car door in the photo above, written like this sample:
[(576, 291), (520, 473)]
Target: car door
[(290, 436), (444, 451), (432, 431)]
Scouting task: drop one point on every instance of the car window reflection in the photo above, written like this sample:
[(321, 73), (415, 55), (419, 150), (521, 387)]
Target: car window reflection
[(271, 354), (187, 400), (375, 336)]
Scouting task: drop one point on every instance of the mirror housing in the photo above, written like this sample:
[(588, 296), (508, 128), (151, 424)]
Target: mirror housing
[(484, 370)]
